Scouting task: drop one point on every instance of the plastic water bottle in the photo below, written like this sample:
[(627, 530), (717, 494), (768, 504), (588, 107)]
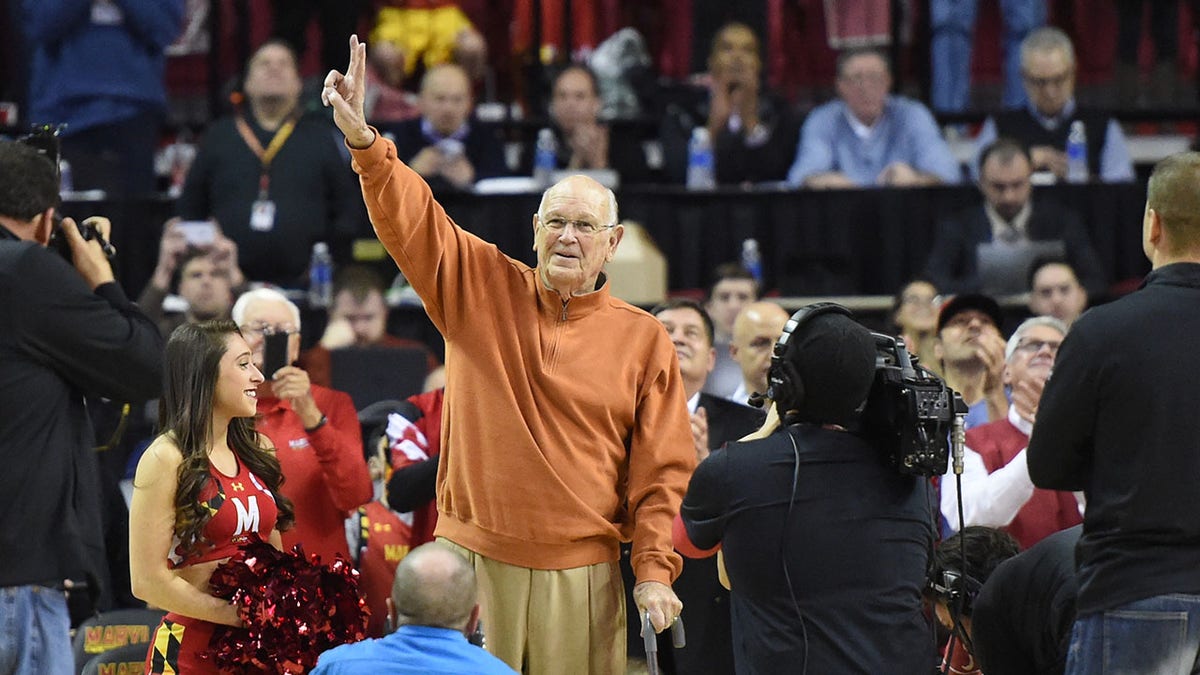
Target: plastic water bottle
[(320, 276), (700, 170), (545, 157), (1077, 159), (752, 259)]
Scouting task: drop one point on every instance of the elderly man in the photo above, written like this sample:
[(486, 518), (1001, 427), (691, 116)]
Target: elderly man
[(271, 176), (583, 141), (1048, 68), (434, 607), (1054, 290), (869, 137), (605, 452), (1118, 421), (1009, 218), (996, 490), (447, 146), (315, 431), (755, 331), (753, 131)]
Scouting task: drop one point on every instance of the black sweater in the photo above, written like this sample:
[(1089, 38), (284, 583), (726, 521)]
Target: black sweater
[(59, 340), (1118, 420)]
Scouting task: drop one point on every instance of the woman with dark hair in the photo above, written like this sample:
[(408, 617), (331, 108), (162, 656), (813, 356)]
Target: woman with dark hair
[(915, 313), (208, 483)]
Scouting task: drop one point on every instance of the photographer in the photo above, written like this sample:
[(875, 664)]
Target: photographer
[(826, 545), (64, 333)]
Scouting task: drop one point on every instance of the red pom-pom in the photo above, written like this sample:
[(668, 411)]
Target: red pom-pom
[(294, 609)]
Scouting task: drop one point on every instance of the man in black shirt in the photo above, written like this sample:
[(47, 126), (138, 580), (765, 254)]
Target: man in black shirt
[(1022, 620), (825, 544), (64, 332), (1118, 421), (272, 177)]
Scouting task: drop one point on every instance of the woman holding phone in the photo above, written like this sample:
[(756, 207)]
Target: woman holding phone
[(207, 484)]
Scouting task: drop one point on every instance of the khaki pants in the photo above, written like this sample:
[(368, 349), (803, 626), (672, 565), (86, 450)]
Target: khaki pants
[(552, 622)]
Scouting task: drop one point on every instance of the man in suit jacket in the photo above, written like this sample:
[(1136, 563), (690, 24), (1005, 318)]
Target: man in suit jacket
[(447, 145), (715, 421), (1010, 215)]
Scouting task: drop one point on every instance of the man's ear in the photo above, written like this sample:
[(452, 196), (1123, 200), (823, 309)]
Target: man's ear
[(472, 622), (43, 226)]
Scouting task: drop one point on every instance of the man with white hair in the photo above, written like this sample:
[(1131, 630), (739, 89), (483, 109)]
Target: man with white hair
[(996, 488), (565, 427), (314, 429), (1043, 124)]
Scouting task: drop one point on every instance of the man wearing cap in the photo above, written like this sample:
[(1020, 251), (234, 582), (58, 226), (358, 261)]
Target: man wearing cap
[(996, 489), (971, 351), (799, 605)]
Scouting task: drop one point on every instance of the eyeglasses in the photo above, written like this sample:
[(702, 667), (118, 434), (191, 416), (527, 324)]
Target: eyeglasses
[(1035, 346), (582, 227), (919, 300), (1044, 82), (265, 329)]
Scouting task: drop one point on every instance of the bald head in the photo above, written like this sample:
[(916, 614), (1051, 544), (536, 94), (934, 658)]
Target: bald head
[(755, 331), (446, 97), (434, 586)]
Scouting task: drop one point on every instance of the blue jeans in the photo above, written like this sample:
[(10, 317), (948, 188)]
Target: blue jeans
[(35, 632), (953, 27), (1155, 636)]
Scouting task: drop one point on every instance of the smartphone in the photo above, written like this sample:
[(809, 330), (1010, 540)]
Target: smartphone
[(199, 233), (275, 348)]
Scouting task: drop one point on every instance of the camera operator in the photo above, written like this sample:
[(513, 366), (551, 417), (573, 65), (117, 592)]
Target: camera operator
[(64, 333), (826, 545)]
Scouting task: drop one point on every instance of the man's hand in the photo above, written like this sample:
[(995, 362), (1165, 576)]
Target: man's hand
[(990, 350), (427, 162), (658, 599), (170, 249), (338, 334), (899, 174), (88, 256), (1046, 158), (459, 171), (346, 93), (700, 433), (829, 180), (225, 259), (589, 147), (291, 384), (1026, 394)]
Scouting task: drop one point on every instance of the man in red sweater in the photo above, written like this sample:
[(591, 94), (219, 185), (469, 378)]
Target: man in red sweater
[(996, 488), (314, 429), (565, 427)]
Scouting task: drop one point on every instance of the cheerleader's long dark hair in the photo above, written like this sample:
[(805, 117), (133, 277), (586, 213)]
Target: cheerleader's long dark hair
[(191, 367)]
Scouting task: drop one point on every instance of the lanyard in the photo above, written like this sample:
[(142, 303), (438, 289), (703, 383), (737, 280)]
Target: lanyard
[(272, 149)]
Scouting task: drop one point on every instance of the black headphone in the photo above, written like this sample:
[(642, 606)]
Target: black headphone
[(784, 384)]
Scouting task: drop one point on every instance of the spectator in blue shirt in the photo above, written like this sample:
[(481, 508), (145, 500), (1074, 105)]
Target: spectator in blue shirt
[(434, 604), (869, 137)]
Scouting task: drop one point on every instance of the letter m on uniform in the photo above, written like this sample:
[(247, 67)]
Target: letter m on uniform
[(247, 515)]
